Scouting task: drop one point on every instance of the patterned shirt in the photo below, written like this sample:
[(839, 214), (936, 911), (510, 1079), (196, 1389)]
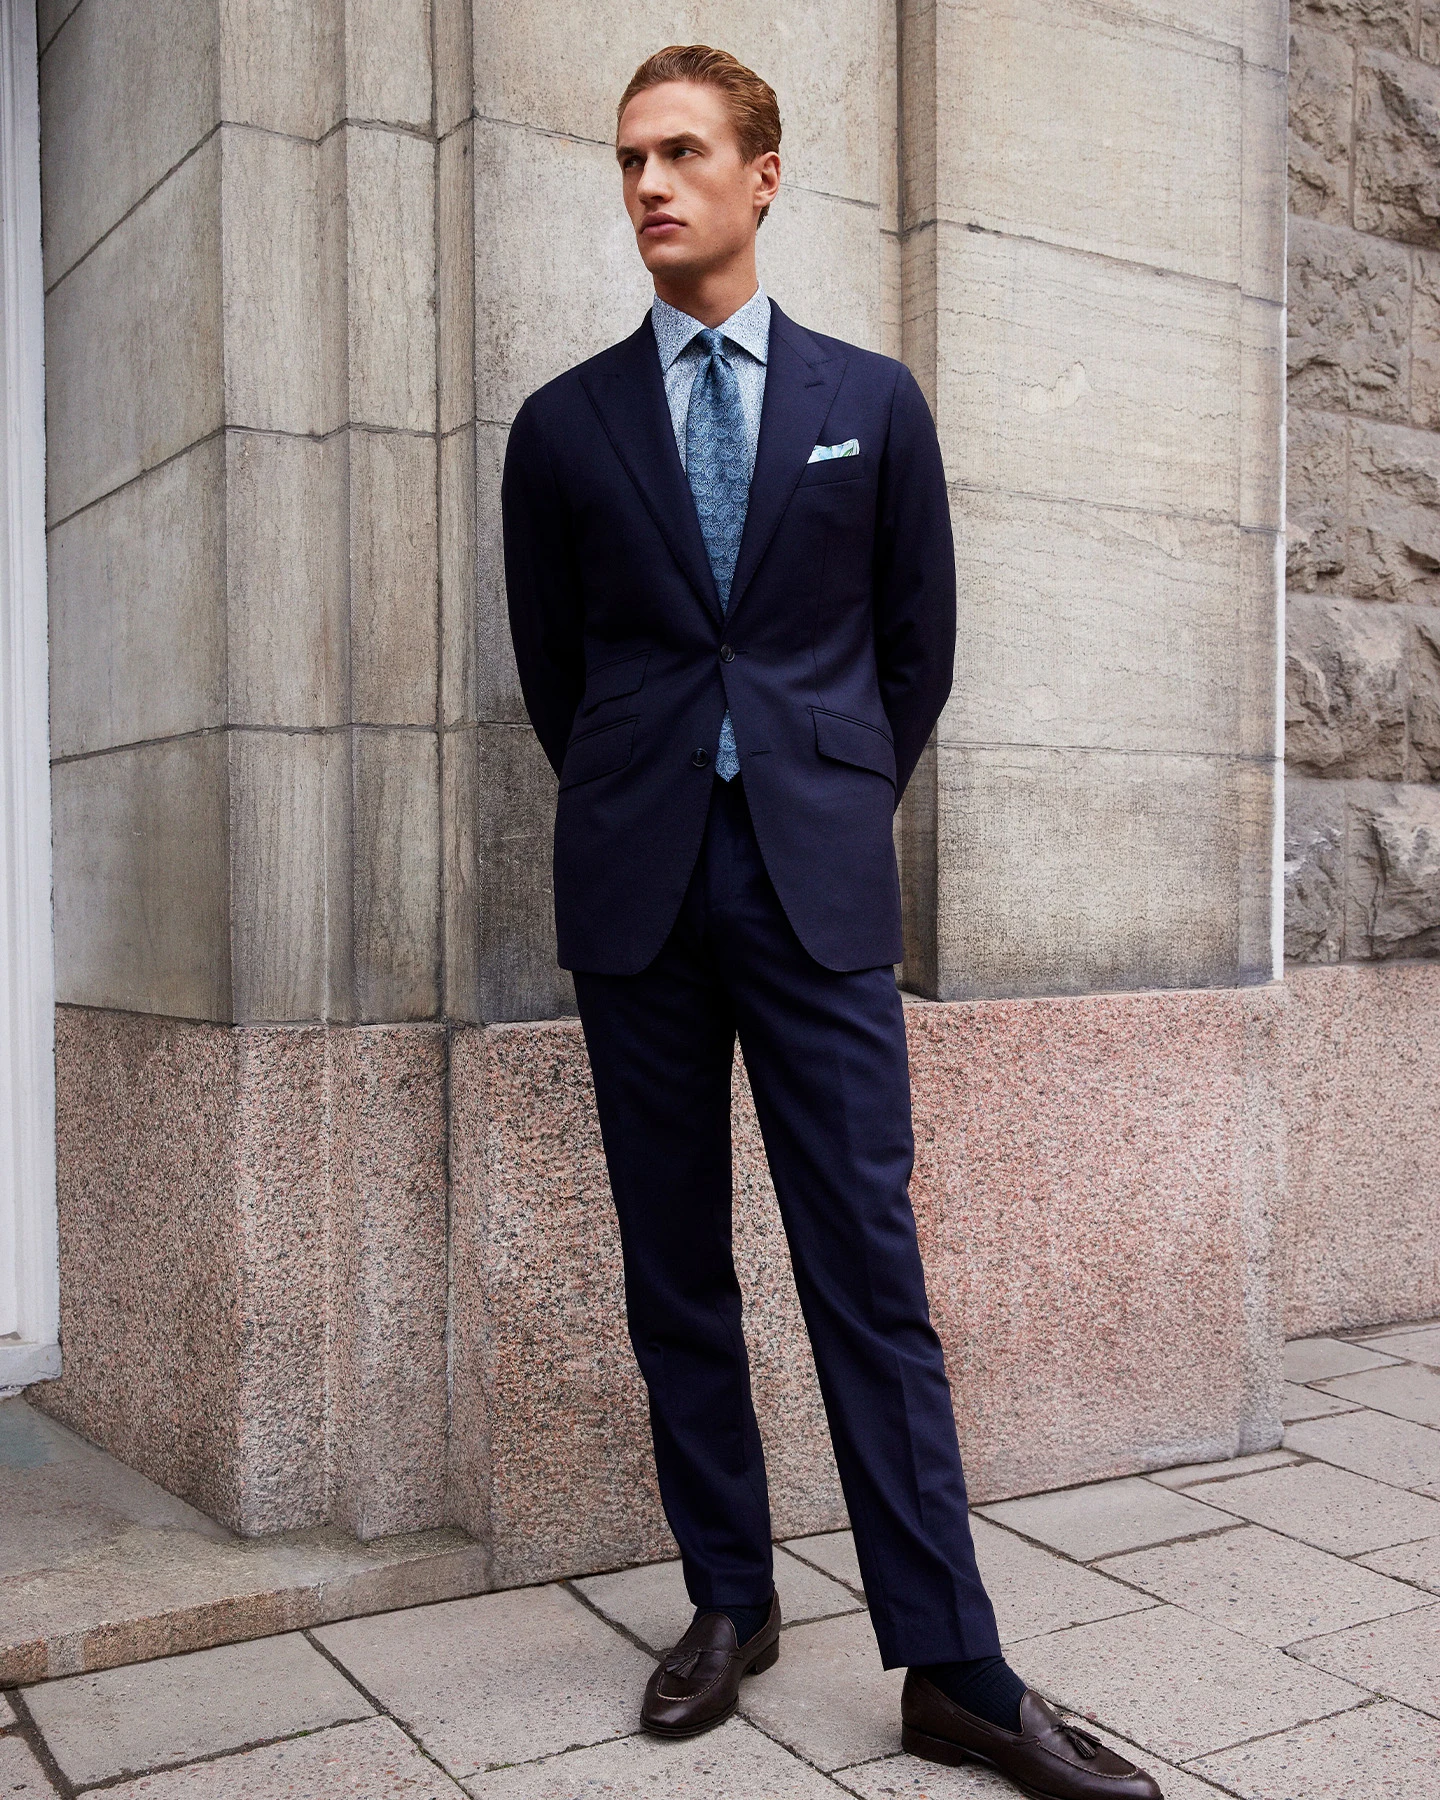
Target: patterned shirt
[(746, 331)]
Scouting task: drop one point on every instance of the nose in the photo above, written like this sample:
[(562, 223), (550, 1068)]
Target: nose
[(653, 188)]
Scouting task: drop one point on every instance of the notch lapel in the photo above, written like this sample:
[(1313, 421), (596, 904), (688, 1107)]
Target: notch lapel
[(627, 390), (801, 379)]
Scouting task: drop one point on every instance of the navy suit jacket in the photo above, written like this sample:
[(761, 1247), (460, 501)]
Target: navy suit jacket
[(835, 655)]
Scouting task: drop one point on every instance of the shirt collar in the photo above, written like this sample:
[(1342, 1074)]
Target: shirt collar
[(749, 328)]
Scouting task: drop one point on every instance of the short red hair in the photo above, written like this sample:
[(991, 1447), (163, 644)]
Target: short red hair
[(754, 110)]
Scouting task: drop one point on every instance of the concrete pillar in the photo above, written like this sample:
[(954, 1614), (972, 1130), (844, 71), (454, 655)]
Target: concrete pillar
[(242, 435), (1093, 209)]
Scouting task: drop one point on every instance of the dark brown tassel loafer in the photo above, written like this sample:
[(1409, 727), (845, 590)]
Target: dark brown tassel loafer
[(1047, 1758), (697, 1685)]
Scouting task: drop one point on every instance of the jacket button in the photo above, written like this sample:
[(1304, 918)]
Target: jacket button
[(699, 758), (726, 653)]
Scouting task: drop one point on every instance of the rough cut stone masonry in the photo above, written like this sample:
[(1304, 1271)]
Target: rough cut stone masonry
[(1362, 712)]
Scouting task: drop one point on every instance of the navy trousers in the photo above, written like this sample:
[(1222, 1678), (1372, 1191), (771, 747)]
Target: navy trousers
[(827, 1062)]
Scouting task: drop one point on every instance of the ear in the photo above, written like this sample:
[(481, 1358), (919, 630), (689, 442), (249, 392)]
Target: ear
[(767, 174)]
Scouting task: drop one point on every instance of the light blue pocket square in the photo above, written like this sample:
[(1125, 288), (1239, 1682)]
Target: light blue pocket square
[(824, 452)]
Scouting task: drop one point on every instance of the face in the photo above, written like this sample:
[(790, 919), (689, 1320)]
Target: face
[(693, 199)]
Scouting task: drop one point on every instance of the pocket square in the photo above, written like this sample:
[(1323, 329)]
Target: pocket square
[(824, 452)]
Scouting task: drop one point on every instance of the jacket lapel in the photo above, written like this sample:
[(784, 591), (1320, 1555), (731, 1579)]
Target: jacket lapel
[(628, 392), (801, 379)]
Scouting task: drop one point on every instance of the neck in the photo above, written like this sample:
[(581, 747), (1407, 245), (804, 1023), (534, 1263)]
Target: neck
[(713, 296)]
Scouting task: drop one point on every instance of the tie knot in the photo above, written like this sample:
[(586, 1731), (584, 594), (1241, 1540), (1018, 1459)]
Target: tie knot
[(714, 341)]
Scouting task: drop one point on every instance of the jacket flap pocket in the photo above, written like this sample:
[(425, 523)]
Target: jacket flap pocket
[(598, 753), (848, 740), (612, 680)]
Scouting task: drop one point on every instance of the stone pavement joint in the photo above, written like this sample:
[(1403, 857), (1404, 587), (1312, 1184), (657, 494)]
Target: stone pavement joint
[(1267, 1628)]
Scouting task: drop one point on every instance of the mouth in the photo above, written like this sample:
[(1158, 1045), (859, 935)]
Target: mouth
[(661, 225)]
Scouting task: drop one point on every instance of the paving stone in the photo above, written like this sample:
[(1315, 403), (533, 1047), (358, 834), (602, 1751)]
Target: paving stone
[(827, 1697), (736, 1761), (1263, 1585), (1420, 1343), (905, 1777), (1306, 1403), (1035, 1591), (1381, 1752), (1179, 1685), (652, 1602), (1323, 1358), (181, 1707), (1373, 1444), (1397, 1657), (1107, 1517), (1190, 1473), (7, 1713), (373, 1760), (500, 1679), (1404, 1390), (833, 1551), (1176, 1783), (1419, 1564), (20, 1774), (1330, 1508)]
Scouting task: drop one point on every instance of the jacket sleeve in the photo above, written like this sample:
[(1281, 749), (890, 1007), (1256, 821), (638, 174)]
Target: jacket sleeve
[(542, 592), (914, 581)]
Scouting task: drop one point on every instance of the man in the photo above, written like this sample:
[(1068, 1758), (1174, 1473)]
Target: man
[(732, 597)]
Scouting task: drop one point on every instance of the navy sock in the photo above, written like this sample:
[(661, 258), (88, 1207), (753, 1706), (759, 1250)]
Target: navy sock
[(747, 1620), (986, 1686)]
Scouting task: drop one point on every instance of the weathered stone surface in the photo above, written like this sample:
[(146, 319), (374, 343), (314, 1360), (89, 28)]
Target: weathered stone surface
[(393, 551), (1081, 871), (1424, 731), (287, 592), (137, 609), (283, 67), (1345, 682), (1425, 341), (1387, 23), (133, 342), (1142, 148), (1314, 871), (396, 778), (284, 282), (1349, 321), (1393, 872), (142, 903), (112, 129), (290, 843), (1397, 149), (1322, 84), (1317, 470), (1394, 540), (1430, 30)]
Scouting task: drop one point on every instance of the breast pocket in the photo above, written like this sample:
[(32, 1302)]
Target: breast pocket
[(834, 468), (597, 753)]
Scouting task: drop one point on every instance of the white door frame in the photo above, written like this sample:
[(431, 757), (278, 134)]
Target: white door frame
[(29, 1269)]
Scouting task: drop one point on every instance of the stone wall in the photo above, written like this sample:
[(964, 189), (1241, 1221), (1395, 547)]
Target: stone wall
[(1362, 707)]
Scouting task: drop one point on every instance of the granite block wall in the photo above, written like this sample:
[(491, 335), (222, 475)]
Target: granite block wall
[(1362, 690)]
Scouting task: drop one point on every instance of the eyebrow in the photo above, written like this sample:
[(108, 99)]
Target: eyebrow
[(682, 139)]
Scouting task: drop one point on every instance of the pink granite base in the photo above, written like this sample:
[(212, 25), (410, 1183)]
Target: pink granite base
[(550, 1449), (1360, 1078), (253, 1265), (276, 1305), (1095, 1184)]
